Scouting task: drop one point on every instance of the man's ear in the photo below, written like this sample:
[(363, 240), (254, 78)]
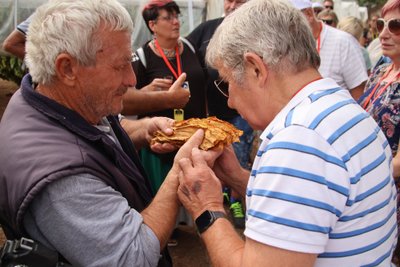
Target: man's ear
[(309, 14), (66, 68), (256, 68)]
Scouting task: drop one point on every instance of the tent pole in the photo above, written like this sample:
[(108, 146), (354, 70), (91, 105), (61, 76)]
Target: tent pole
[(190, 15)]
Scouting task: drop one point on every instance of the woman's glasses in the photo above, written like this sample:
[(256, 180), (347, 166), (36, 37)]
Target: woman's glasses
[(222, 87), (393, 25), (170, 18)]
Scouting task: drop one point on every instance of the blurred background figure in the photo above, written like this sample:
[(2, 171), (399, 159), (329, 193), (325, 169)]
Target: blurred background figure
[(329, 17), (341, 57), (218, 105), (354, 26), (382, 95), (329, 4), (373, 32), (317, 7), (15, 42)]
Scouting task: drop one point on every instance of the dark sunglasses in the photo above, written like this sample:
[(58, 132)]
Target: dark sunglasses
[(327, 21), (392, 24), (329, 7)]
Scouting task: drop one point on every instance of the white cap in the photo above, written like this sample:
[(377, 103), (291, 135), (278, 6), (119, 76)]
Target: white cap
[(317, 5), (301, 4)]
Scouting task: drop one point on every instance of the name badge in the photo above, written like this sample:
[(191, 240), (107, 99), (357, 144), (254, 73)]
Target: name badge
[(178, 114)]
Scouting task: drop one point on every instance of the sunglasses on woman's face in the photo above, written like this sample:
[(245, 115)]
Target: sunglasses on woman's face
[(327, 21), (393, 25)]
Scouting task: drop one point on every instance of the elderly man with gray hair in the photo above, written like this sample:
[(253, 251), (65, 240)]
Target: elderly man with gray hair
[(321, 191), (70, 176)]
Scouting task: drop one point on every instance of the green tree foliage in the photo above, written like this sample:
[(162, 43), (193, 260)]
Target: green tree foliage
[(11, 69), (372, 4)]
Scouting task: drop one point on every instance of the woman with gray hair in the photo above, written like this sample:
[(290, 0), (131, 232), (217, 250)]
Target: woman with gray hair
[(354, 27), (320, 192)]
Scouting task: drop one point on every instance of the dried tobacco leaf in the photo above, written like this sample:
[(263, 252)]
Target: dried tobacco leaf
[(217, 133)]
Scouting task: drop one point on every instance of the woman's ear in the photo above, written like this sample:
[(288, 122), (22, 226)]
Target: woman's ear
[(66, 67), (152, 25), (256, 67)]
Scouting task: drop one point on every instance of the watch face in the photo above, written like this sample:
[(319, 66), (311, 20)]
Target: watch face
[(203, 220), (207, 218)]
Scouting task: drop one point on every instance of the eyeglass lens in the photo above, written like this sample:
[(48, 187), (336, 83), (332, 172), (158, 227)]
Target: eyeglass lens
[(170, 17), (329, 7), (393, 25)]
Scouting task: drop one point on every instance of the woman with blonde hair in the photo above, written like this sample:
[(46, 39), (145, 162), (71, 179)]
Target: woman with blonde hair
[(354, 27)]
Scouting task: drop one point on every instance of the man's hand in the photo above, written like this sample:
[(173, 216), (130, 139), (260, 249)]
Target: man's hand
[(141, 132), (199, 189), (228, 170), (194, 142)]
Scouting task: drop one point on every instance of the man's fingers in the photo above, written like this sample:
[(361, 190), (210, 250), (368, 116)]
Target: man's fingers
[(165, 125), (198, 158), (185, 164), (196, 139)]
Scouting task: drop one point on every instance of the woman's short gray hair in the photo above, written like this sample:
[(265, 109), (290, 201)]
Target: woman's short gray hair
[(70, 26), (272, 29)]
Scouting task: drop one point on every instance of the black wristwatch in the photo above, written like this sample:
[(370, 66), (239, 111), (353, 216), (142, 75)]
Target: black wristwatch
[(207, 218)]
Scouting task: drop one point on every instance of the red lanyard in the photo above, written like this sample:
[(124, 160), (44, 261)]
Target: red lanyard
[(319, 39), (369, 100), (178, 59)]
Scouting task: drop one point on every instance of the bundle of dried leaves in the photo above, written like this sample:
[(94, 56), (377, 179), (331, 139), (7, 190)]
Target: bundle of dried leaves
[(217, 133)]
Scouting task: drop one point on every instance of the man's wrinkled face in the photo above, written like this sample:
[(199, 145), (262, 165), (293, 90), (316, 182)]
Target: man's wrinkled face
[(104, 84), (245, 97)]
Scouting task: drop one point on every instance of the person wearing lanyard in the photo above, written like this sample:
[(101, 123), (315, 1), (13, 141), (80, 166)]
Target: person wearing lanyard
[(382, 95), (167, 58), (320, 191), (341, 58)]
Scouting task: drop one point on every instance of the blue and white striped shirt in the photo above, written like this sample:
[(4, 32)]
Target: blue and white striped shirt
[(322, 181)]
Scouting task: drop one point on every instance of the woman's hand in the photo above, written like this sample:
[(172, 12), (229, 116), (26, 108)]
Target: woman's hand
[(178, 95), (158, 84)]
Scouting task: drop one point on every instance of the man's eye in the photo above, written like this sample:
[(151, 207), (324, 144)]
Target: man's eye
[(120, 67)]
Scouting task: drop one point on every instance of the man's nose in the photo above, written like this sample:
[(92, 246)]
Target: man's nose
[(130, 78)]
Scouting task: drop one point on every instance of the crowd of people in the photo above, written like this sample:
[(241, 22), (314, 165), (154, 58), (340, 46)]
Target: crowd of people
[(81, 179)]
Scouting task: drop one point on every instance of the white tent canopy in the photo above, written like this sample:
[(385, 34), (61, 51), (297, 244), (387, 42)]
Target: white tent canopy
[(13, 12)]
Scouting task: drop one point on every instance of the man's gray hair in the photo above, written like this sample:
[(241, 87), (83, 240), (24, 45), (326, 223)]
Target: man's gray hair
[(70, 26), (273, 29)]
